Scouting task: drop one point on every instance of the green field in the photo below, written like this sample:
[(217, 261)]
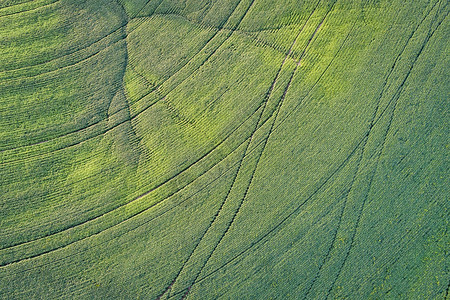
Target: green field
[(224, 149)]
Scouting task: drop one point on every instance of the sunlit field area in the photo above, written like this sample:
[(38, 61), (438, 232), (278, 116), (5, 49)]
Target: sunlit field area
[(224, 149)]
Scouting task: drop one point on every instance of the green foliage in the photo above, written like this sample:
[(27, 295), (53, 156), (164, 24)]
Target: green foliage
[(224, 149)]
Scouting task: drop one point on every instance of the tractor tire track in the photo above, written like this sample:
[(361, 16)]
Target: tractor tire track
[(279, 105), (19, 79), (268, 94), (333, 240), (167, 289), (309, 197), (256, 40), (146, 209), (265, 140), (272, 125), (393, 100), (172, 194), (139, 197), (128, 231), (120, 123), (447, 288), (84, 47)]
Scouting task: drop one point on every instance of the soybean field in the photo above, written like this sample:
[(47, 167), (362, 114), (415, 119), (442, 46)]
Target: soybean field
[(224, 149)]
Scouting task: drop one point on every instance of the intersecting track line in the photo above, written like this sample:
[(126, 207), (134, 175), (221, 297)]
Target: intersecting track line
[(261, 238), (148, 221), (246, 33), (135, 214), (146, 209), (157, 216), (363, 140), (394, 99), (116, 208), (268, 94), (327, 255), (207, 228), (278, 225), (137, 198), (272, 125), (145, 95), (220, 27)]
